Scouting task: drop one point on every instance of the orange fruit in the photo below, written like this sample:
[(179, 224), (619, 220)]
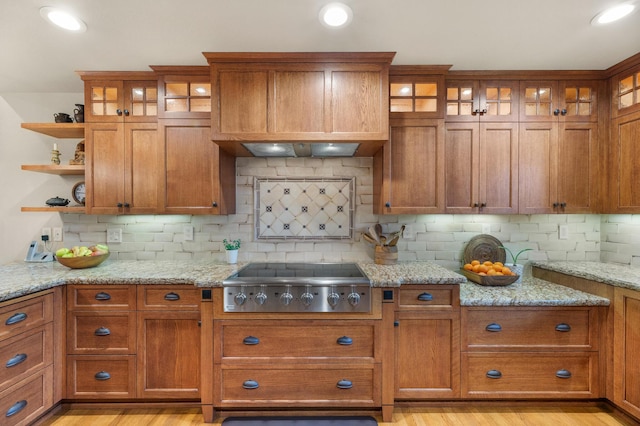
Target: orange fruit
[(498, 264), (482, 273), (476, 267), (488, 263), (483, 268), (498, 268), (468, 267), (475, 262), (492, 272), (506, 271)]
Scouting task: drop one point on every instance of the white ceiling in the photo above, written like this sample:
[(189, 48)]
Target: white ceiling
[(468, 34)]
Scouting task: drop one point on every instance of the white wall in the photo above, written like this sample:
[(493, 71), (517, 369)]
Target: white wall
[(440, 238)]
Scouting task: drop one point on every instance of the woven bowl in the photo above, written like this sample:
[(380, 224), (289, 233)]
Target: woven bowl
[(82, 261)]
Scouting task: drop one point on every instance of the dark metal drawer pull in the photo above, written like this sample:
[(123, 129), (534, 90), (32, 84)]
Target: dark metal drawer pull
[(18, 359), (344, 384), (102, 331), (16, 408), (563, 327), (494, 374), (250, 384), (493, 327), (16, 318), (172, 296), (103, 296), (250, 340), (425, 297), (563, 374), (102, 375), (344, 340)]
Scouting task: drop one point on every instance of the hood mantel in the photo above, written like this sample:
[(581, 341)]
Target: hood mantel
[(323, 97)]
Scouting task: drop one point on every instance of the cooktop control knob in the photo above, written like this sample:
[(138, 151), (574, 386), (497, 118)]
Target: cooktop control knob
[(286, 298), (240, 298), (307, 296), (353, 298), (333, 298), (261, 296)]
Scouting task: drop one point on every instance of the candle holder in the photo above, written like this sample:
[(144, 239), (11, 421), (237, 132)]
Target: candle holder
[(55, 157)]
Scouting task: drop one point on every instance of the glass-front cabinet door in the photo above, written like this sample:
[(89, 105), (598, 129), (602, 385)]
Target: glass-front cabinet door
[(416, 91), (626, 93), (567, 100), (482, 100)]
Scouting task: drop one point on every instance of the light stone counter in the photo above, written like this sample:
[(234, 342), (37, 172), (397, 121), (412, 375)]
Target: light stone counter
[(18, 279), (608, 273)]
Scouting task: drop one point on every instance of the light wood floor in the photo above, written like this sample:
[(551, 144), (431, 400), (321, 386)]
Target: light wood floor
[(450, 416)]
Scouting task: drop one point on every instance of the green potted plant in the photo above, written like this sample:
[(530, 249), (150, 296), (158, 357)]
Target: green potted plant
[(232, 248), (515, 266)]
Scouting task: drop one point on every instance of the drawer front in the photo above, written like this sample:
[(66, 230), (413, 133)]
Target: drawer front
[(162, 297), (530, 375), (417, 297), (101, 377), (18, 317), (28, 399), (26, 353), (288, 339), (524, 327), (111, 297), (326, 385), (101, 333)]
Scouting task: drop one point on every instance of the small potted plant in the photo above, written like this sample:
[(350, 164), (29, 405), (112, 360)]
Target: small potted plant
[(232, 248), (515, 267)]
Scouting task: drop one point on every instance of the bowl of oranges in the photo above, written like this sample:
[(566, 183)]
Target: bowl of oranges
[(484, 262)]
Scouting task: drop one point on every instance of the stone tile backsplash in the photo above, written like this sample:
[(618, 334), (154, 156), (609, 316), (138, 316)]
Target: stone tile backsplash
[(438, 238)]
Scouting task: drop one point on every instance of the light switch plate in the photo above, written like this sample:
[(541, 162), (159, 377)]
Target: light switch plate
[(57, 234), (408, 232), (114, 235), (563, 232)]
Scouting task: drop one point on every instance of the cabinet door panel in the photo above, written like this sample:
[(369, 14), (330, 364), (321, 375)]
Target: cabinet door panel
[(537, 167), (143, 168), (168, 354), (625, 165), (299, 102), (356, 102), (576, 166), (626, 374), (104, 167), (462, 162), (498, 170), (241, 105)]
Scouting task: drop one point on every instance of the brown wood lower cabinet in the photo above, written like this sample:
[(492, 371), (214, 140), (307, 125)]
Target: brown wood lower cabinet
[(133, 342), (626, 351), (531, 352)]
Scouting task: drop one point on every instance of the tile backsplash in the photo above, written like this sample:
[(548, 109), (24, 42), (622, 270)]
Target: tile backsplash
[(437, 238)]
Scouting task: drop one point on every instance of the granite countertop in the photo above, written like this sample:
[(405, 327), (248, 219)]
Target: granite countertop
[(609, 273), (20, 278)]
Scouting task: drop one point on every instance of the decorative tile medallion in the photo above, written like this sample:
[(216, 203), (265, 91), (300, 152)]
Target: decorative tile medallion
[(304, 209)]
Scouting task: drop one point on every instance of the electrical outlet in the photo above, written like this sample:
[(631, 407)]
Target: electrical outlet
[(408, 232), (486, 228), (114, 235), (47, 232), (188, 233), (563, 232), (57, 234)]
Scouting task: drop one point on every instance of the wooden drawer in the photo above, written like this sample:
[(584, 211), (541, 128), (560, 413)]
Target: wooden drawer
[(530, 375), (25, 354), (412, 297), (28, 399), (20, 316), (295, 339), (167, 297), (101, 377), (107, 297), (311, 385), (568, 329), (101, 333)]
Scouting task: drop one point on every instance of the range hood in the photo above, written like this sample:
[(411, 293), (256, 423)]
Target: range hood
[(302, 149)]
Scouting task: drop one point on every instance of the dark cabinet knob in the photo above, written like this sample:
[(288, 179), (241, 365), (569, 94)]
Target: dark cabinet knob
[(250, 384), (563, 112), (563, 205), (556, 112), (563, 374), (119, 111), (126, 112), (345, 341), (493, 327), (250, 340), (555, 205), (127, 205), (172, 297), (562, 327), (119, 205), (102, 375), (214, 204), (425, 297), (483, 205), (16, 318), (494, 374), (476, 205), (344, 384), (387, 204), (102, 296), (102, 331)]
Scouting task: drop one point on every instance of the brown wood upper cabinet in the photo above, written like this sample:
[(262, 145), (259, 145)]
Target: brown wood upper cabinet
[(482, 100), (417, 91), (558, 147), (300, 97), (183, 91)]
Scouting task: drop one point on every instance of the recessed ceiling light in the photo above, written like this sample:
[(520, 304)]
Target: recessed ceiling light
[(336, 15), (613, 14), (63, 19)]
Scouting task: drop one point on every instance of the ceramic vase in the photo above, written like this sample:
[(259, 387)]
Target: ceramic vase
[(232, 256)]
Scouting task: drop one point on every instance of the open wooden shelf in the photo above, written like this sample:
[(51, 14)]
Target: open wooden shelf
[(55, 170), (57, 130), (47, 209)]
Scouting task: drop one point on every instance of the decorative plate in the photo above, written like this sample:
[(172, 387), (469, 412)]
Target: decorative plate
[(484, 247)]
